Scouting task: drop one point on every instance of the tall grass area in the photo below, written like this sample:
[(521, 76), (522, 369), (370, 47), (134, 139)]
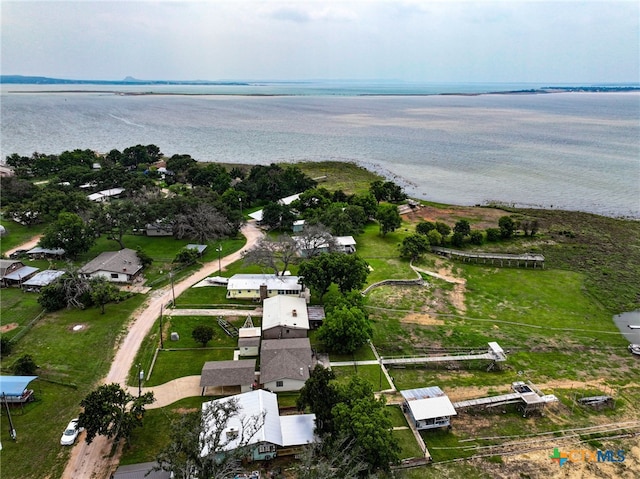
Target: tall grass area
[(347, 177)]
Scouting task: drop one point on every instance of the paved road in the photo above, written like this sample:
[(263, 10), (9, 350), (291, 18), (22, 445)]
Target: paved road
[(89, 461)]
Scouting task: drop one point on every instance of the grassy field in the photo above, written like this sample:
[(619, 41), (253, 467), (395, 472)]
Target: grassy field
[(17, 234), (347, 177)]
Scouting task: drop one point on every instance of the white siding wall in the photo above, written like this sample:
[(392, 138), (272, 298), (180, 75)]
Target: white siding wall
[(287, 385)]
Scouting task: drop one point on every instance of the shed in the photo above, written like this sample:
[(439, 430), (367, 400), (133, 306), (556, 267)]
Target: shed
[(39, 253), (200, 248), (19, 275), (42, 279), (13, 389), (429, 407)]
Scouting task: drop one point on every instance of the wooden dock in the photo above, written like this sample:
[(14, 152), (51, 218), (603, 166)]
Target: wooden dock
[(526, 260)]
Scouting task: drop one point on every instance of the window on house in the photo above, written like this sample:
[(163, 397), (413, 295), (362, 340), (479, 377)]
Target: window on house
[(114, 275), (279, 384), (262, 448)]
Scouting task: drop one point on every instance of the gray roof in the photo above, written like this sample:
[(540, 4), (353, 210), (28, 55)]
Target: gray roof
[(316, 313), (6, 264), (21, 273), (285, 359), (124, 261), (249, 342), (43, 278), (139, 471), (49, 251), (228, 373)]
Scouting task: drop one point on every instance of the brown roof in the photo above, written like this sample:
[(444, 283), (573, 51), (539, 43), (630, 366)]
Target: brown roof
[(228, 373), (285, 359)]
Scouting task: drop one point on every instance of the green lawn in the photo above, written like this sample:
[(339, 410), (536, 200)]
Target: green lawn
[(347, 177), (372, 373), (73, 360), (17, 234), (18, 307)]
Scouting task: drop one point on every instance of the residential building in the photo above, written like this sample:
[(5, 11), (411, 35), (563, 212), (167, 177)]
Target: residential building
[(285, 364), (116, 266), (274, 432), (284, 317), (257, 287)]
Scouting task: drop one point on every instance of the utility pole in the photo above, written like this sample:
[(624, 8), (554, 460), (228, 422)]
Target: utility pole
[(219, 250)]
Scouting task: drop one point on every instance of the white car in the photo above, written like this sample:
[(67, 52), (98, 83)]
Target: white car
[(71, 433)]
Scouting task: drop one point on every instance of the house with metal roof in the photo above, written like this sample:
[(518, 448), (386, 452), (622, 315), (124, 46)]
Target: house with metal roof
[(105, 195), (116, 266), (285, 364), (284, 317), (429, 408), (237, 375), (260, 286), (273, 432)]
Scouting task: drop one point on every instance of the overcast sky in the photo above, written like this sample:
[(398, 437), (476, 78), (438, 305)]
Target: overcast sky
[(429, 41)]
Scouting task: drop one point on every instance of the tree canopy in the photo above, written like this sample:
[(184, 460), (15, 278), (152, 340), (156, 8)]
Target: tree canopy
[(389, 218), (69, 232), (345, 329), (111, 411)]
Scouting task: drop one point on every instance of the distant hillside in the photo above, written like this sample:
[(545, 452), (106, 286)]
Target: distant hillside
[(34, 80)]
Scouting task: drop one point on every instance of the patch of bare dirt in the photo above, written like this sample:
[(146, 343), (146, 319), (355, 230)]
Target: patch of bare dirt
[(5, 328), (480, 218), (422, 319)]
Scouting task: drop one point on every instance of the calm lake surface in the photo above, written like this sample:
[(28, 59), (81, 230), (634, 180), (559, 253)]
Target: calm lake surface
[(576, 151)]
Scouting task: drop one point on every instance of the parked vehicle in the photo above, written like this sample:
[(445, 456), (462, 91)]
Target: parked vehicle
[(71, 433)]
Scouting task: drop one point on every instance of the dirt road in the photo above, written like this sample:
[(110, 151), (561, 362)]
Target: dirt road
[(32, 243), (89, 461)]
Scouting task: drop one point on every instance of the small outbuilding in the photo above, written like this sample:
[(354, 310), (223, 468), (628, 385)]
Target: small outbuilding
[(428, 408), (42, 279)]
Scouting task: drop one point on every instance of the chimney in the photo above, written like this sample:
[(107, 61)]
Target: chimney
[(301, 372)]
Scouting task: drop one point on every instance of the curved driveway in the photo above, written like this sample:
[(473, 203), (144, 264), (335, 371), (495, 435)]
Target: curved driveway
[(90, 461)]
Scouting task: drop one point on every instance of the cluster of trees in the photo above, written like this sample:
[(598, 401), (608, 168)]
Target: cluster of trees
[(73, 290), (350, 414), (205, 202), (340, 213), (440, 234)]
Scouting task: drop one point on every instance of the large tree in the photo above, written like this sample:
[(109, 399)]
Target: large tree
[(70, 233), (202, 223), (275, 254), (348, 271), (389, 218), (345, 329), (365, 419), (414, 246), (320, 395), (118, 218), (111, 411)]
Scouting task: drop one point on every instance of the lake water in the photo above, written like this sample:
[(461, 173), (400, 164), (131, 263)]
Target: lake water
[(577, 151)]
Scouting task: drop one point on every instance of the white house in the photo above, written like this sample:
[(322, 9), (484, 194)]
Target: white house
[(284, 317), (260, 286), (274, 432), (116, 266), (285, 364), (429, 408)]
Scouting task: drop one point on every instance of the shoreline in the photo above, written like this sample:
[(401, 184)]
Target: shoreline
[(537, 91)]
